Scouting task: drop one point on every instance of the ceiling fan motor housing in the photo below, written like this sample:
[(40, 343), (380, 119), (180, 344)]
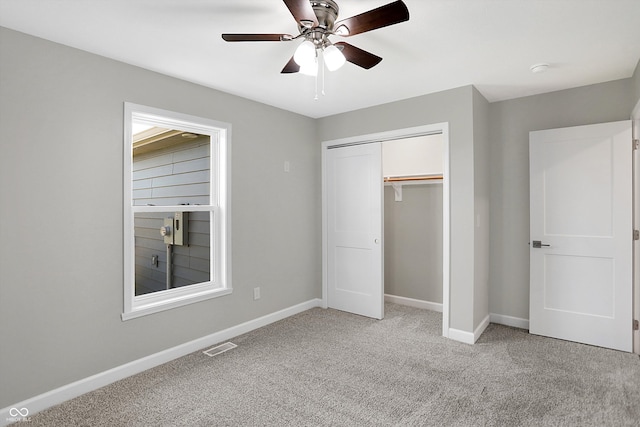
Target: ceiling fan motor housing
[(326, 11)]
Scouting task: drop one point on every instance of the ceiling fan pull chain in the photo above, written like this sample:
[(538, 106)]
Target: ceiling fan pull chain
[(322, 66), (316, 83)]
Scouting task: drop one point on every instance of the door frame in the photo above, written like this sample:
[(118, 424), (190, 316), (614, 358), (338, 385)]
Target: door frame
[(635, 135), (431, 129)]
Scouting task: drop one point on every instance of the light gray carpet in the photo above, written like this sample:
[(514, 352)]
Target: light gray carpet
[(325, 367)]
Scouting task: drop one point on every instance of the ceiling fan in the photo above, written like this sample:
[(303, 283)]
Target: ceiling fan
[(316, 22)]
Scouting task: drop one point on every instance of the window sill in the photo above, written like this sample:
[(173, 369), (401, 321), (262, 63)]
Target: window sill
[(143, 309)]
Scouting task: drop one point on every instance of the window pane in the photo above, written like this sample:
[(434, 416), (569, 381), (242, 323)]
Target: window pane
[(187, 259), (170, 168)]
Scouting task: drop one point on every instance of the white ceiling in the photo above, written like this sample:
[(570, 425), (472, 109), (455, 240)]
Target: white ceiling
[(445, 44)]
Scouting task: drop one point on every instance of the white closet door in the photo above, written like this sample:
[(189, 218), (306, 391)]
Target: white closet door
[(354, 237)]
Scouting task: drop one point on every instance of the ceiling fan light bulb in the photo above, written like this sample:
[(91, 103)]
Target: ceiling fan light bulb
[(333, 58), (305, 54), (310, 69)]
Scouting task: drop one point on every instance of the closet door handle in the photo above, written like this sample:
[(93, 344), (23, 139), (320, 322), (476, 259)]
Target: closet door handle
[(376, 241)]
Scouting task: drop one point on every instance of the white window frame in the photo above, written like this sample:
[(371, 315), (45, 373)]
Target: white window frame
[(219, 209)]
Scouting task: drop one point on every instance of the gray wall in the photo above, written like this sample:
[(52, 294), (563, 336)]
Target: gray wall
[(482, 189), (455, 107), (510, 124), (413, 242), (636, 83), (61, 264)]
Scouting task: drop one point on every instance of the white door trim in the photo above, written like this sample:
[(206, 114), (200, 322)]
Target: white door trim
[(436, 128), (635, 132)]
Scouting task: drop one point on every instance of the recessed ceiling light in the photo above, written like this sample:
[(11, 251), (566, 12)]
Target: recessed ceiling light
[(539, 68)]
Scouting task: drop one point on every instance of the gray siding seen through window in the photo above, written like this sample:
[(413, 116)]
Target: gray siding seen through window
[(179, 175), (174, 176)]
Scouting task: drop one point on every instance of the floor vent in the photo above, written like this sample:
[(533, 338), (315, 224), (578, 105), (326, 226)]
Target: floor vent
[(219, 349)]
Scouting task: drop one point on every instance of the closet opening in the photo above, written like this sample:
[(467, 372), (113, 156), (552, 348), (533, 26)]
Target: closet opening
[(413, 221), (353, 190)]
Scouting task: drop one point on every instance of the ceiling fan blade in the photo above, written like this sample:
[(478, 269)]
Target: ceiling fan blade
[(291, 67), (357, 56), (257, 37), (302, 12), (389, 14)]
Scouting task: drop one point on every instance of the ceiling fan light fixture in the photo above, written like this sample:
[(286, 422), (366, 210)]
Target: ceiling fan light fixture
[(305, 54), (310, 69), (333, 58)]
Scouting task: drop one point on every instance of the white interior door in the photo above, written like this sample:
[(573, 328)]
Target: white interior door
[(581, 234), (354, 189)]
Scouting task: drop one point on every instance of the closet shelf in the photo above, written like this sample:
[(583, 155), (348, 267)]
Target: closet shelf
[(401, 179), (398, 181)]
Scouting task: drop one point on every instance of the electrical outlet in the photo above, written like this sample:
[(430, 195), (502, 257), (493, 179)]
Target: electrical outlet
[(256, 293)]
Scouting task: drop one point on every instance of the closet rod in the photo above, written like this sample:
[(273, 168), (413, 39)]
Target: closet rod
[(412, 178)]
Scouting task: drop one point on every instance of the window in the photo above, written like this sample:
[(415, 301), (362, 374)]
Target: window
[(176, 210)]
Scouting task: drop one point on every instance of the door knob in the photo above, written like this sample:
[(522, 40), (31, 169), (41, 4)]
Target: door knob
[(539, 244), (376, 241)]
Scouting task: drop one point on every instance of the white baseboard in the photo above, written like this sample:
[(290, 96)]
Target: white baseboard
[(462, 336), (469, 337), (515, 322), (46, 400), (454, 334), (427, 305), (481, 327)]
